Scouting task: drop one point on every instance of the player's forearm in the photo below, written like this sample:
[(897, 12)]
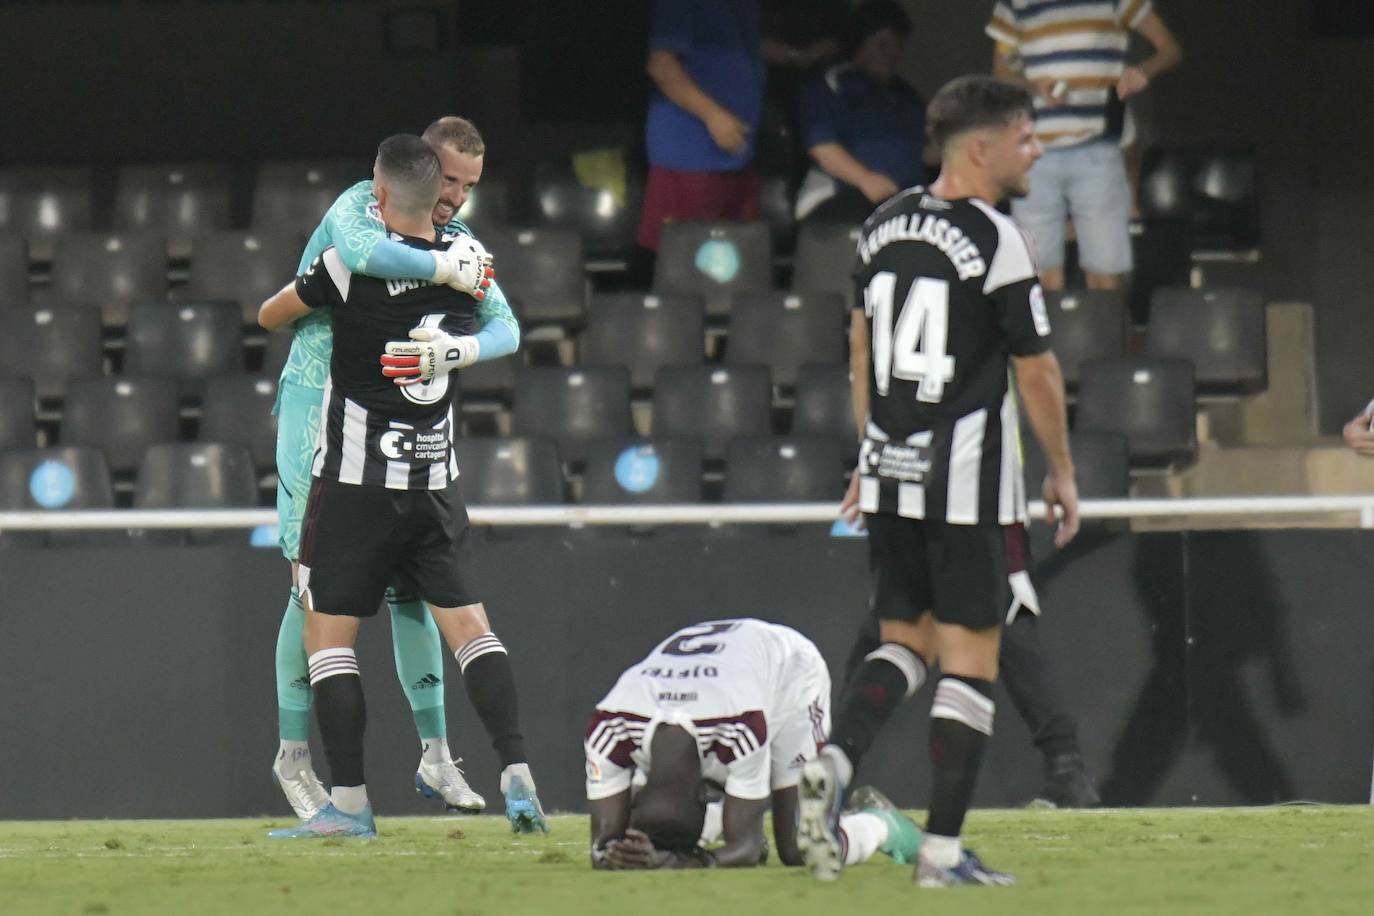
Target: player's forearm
[(282, 308), (500, 331), (391, 260), (1168, 52), (737, 854), (838, 162), (1042, 392), (673, 80)]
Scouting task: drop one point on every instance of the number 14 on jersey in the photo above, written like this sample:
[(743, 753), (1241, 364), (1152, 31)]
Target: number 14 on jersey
[(913, 350)]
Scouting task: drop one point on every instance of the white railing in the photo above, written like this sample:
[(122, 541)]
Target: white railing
[(1228, 507)]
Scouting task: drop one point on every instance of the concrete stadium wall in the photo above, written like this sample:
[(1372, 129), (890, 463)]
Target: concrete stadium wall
[(1208, 668)]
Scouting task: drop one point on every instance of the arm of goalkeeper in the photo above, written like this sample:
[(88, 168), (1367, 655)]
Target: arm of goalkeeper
[(465, 266), (429, 353)]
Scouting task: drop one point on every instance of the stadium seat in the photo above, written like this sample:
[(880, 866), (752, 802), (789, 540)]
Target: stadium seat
[(1166, 184), (1088, 324), (1221, 330), (111, 271), (1161, 251), (120, 416), (238, 409), (174, 200), (572, 405), (292, 196), (824, 259), (1150, 401), (1225, 215), (244, 267), (492, 379), (196, 475), (187, 342), (65, 478), (276, 348), (487, 208), (43, 203), (713, 402), (17, 427), (606, 220), (657, 470), (510, 471), (14, 270), (51, 345), (643, 332), (785, 331), (541, 273), (774, 469), (714, 260), (824, 402), (1101, 461)]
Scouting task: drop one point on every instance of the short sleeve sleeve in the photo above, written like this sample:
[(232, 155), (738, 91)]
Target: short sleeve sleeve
[(318, 286), (1012, 283), (1130, 13), (1003, 27), (750, 777), (820, 113), (673, 26)]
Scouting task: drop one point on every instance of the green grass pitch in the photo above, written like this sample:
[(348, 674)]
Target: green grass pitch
[(1316, 860)]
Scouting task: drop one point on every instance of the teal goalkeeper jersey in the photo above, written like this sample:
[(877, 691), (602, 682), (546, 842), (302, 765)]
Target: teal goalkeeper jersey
[(354, 227)]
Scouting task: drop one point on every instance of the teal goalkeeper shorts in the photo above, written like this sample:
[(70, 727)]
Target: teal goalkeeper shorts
[(298, 424)]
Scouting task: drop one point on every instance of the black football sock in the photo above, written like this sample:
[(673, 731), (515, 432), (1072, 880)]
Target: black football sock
[(887, 676), (490, 682), (960, 724), (341, 711)]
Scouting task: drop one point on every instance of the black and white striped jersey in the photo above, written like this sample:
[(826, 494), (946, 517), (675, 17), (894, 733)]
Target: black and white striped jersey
[(372, 431), (949, 291)]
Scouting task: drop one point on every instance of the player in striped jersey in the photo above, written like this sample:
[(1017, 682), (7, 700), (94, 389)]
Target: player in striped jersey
[(950, 299), (360, 240), (733, 707), (380, 508)]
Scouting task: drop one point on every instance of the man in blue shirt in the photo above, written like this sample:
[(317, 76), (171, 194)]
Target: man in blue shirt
[(864, 126)]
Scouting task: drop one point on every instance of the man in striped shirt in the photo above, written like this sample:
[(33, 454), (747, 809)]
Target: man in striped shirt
[(380, 506), (1071, 54)]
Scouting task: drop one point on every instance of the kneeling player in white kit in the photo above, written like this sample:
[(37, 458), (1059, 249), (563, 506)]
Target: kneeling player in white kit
[(729, 706)]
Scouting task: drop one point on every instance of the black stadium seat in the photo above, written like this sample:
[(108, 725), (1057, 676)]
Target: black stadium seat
[(1102, 464), (51, 345), (572, 405), (824, 260), (655, 470), (1088, 324), (190, 342), (643, 331), (785, 331), (716, 403), (238, 408), (120, 416), (174, 200), (292, 196), (17, 427), (243, 267), (275, 351), (1161, 250), (510, 471), (771, 469), (14, 270), (541, 273), (1221, 330), (1150, 401), (113, 271), (714, 260), (1212, 187), (607, 220), (49, 479), (487, 208), (44, 203), (824, 404), (196, 475)]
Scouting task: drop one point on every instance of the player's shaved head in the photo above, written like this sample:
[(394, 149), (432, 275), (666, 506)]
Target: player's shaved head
[(408, 169), (670, 808), (975, 102), (457, 133)]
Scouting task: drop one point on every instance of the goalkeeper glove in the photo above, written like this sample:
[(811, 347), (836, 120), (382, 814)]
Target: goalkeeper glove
[(428, 353), (465, 266)]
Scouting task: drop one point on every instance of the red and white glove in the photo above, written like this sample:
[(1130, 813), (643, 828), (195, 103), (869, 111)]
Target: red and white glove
[(465, 266), (427, 354)]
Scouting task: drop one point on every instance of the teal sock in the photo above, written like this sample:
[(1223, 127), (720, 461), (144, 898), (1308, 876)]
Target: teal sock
[(293, 677), (419, 663)]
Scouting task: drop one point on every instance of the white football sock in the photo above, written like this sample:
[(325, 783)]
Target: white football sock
[(434, 750), (713, 828), (292, 756), (349, 799), (843, 768), (864, 833), (941, 851), (516, 769)]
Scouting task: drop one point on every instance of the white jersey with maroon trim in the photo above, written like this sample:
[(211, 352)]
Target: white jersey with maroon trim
[(740, 682), (949, 291)]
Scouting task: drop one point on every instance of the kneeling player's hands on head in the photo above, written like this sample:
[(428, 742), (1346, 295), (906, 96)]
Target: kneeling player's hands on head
[(465, 266), (636, 851), (428, 353)]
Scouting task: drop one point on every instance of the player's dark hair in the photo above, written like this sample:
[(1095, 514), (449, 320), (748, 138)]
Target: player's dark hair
[(874, 16), (459, 133), (410, 169), (670, 808), (972, 103)]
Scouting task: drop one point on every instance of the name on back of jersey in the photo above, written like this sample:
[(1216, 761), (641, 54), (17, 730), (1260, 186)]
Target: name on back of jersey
[(396, 287), (933, 230)]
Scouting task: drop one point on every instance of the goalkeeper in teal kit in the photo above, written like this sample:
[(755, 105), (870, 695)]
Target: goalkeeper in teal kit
[(354, 228)]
